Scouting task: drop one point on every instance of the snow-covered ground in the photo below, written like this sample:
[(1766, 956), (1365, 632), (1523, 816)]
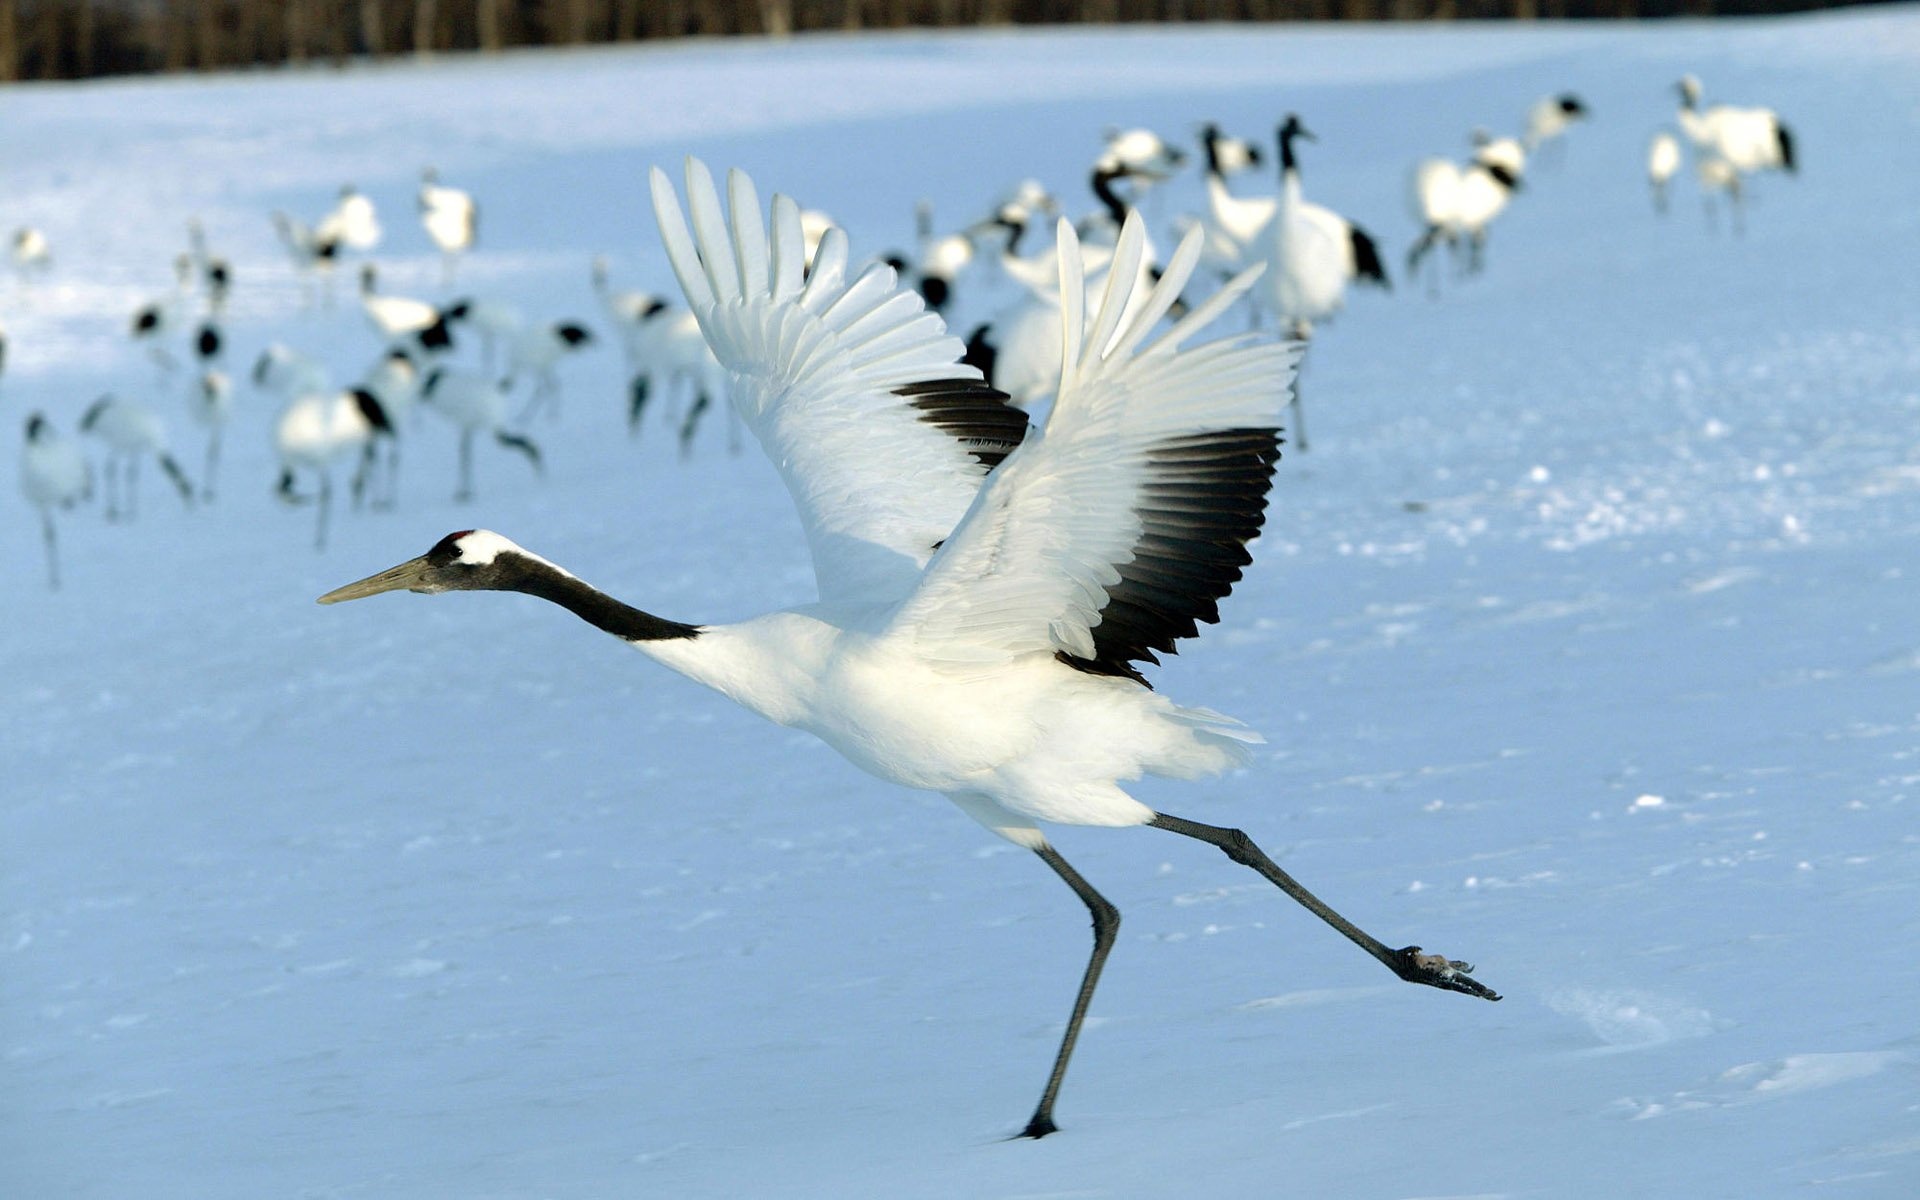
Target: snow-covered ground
[(1585, 640)]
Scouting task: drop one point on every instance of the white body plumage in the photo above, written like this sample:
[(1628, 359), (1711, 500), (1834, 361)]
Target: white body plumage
[(53, 469), (1663, 163), (983, 587), (1746, 139), (945, 676), (448, 214)]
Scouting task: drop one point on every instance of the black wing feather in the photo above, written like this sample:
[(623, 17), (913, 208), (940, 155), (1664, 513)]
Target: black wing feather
[(1204, 499), (983, 420), (1366, 259)]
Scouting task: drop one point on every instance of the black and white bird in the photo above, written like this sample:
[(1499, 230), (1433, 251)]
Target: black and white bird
[(158, 319), (941, 258), (210, 404), (1143, 155), (313, 254), (1311, 254), (1231, 224), (475, 404), (987, 593), (352, 223), (1455, 203), (1548, 121), (215, 271), (393, 382), (286, 372), (450, 217), (666, 355), (627, 311), (497, 322), (1226, 154), (317, 429), (1746, 139), (54, 474), (1019, 351), (396, 317), (131, 432), (534, 354)]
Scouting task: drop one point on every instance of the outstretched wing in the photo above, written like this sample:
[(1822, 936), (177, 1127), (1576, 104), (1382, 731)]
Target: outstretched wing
[(856, 392), (1123, 523)]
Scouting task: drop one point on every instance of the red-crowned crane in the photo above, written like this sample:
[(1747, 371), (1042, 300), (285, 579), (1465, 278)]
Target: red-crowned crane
[(986, 592)]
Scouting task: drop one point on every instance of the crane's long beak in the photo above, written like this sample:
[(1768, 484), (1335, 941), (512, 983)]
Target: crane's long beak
[(407, 575)]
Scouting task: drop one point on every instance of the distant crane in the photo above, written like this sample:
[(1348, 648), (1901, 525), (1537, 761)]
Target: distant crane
[(1455, 203), (1311, 253), (1746, 139), (158, 318), (1663, 163), (53, 474), (450, 217), (395, 317), (1548, 121), (317, 429), (984, 594), (476, 404), (211, 404), (131, 431)]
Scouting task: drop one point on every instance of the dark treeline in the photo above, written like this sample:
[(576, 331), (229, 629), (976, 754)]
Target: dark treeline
[(72, 39)]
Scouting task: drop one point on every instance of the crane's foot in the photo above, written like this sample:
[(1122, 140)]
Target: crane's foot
[(1437, 970), (1039, 1127)]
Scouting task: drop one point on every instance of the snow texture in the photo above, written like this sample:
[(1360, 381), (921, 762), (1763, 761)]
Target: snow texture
[(1584, 640)]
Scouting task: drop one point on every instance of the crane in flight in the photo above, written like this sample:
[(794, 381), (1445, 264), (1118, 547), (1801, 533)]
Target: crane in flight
[(987, 592)]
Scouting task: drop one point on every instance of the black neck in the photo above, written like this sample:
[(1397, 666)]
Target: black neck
[(1015, 231), (1208, 138), (593, 606), (1287, 161), (1103, 188)]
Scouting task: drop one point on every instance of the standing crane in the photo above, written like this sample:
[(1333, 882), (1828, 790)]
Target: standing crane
[(985, 592), (54, 473), (1311, 253), (450, 218)]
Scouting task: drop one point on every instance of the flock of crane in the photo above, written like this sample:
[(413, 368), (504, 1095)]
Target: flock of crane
[(985, 277), (989, 591)]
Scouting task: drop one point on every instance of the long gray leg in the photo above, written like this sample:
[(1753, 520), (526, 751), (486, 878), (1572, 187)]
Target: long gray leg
[(464, 492), (1106, 925), (212, 465), (1294, 402), (1409, 963), (53, 549), (326, 503)]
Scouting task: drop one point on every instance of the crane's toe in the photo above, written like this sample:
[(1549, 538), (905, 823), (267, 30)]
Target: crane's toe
[(1040, 1126), (1437, 970)]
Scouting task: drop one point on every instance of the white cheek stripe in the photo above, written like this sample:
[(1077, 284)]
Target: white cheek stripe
[(482, 546)]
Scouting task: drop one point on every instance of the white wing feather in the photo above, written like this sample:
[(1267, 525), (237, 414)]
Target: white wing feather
[(816, 363), (1030, 568)]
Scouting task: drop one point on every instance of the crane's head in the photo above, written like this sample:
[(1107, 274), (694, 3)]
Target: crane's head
[(470, 560)]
